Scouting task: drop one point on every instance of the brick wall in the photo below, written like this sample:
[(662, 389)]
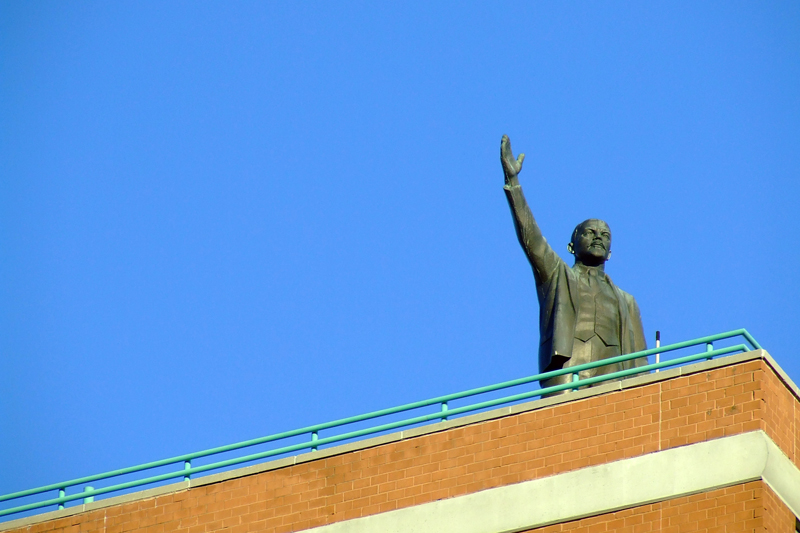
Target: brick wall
[(529, 445), (781, 414)]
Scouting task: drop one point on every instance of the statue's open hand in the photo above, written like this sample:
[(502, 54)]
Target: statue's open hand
[(511, 166)]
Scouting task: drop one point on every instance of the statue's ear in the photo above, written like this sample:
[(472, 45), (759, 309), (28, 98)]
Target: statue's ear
[(569, 249)]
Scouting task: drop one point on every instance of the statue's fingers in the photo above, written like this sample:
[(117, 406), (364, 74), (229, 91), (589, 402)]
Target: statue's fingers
[(505, 147), (520, 159)]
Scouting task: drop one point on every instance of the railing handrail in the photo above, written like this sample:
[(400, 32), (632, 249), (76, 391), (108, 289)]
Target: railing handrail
[(89, 492)]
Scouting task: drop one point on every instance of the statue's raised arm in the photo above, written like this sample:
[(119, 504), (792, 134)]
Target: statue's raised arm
[(541, 256)]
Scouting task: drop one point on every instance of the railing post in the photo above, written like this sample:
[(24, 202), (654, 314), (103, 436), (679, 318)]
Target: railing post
[(61, 494), (710, 348), (314, 438), (575, 378), (187, 465), (88, 499), (444, 410)]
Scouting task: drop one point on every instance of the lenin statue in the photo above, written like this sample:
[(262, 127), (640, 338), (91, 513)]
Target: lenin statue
[(583, 316)]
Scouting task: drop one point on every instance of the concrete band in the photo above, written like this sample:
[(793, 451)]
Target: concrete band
[(600, 489)]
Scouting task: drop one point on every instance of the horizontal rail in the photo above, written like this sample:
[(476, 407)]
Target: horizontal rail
[(317, 441)]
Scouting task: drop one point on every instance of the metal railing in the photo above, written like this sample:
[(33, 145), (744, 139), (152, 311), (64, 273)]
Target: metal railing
[(443, 412)]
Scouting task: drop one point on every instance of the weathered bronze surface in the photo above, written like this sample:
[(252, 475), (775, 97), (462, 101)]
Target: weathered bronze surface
[(583, 316)]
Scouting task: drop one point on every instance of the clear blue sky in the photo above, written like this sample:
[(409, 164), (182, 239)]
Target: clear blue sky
[(224, 220)]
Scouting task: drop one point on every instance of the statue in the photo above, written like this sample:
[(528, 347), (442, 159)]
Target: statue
[(583, 316)]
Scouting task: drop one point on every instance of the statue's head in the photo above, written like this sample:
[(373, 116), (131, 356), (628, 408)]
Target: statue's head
[(591, 242)]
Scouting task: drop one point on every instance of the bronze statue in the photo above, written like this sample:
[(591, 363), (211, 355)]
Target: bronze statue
[(583, 316)]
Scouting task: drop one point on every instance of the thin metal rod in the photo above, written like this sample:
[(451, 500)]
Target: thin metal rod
[(658, 345)]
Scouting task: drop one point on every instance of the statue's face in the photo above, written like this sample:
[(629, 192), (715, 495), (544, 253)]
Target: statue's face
[(591, 243)]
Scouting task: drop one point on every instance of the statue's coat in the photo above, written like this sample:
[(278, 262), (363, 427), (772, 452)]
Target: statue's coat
[(556, 286)]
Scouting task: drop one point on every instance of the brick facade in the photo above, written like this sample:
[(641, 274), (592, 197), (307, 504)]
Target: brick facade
[(542, 442)]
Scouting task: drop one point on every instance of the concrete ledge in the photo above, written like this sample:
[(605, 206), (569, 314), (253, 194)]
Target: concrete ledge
[(605, 488), (494, 414)]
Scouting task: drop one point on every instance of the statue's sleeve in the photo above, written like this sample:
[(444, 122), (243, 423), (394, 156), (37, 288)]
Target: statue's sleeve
[(639, 342), (544, 260)]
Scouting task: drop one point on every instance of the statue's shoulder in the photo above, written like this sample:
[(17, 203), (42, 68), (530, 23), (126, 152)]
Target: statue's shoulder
[(628, 296), (631, 301)]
